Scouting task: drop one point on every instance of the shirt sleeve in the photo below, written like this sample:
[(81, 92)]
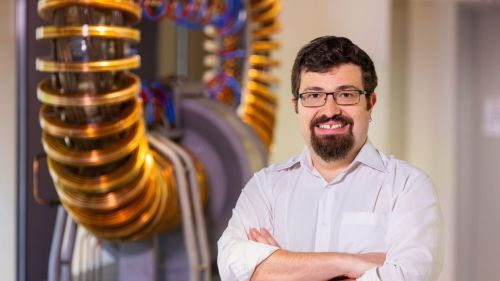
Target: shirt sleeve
[(237, 256), (414, 236)]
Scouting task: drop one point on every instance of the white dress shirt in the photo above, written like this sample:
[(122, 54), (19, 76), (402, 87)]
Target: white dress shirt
[(377, 204)]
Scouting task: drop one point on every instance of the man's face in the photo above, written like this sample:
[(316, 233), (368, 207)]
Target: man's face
[(333, 131)]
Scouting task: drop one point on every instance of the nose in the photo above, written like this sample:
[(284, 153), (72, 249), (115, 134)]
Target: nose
[(331, 108)]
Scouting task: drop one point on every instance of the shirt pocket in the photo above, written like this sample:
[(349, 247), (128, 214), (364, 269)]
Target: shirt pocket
[(363, 232)]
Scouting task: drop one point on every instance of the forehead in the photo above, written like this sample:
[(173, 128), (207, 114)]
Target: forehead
[(345, 74)]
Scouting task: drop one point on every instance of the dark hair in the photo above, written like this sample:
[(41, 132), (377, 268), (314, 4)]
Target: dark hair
[(323, 53)]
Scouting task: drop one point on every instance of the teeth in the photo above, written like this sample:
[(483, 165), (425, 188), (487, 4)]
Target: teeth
[(330, 127)]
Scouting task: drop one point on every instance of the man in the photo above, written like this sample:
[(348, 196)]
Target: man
[(341, 209)]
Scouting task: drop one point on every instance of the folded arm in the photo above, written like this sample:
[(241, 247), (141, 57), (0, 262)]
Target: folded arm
[(242, 257), (285, 265)]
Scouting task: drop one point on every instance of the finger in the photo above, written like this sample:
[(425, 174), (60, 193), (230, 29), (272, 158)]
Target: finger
[(251, 234), (259, 238), (267, 235)]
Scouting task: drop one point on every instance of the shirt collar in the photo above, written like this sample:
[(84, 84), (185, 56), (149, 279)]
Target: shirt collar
[(303, 159), (368, 156)]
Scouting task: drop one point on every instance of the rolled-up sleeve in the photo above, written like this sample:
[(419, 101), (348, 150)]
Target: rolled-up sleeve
[(414, 236), (237, 256)]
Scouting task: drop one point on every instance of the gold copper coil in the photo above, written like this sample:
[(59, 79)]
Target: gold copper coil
[(264, 46), (48, 95), (100, 31), (94, 66), (261, 91), (261, 76), (46, 8), (109, 201), (260, 105), (168, 215), (253, 108), (54, 126), (267, 121), (258, 5), (141, 221), (127, 172), (269, 14), (264, 135), (267, 30), (58, 151), (151, 222), (115, 217), (262, 61)]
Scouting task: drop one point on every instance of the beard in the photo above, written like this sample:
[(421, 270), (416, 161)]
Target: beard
[(332, 147)]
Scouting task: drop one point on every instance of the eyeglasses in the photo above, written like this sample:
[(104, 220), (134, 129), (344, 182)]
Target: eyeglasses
[(342, 97)]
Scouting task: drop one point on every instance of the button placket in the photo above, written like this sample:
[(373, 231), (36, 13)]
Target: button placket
[(323, 224)]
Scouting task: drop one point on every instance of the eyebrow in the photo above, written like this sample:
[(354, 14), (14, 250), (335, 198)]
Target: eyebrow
[(339, 88)]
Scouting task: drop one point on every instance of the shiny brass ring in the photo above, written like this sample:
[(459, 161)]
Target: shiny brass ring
[(132, 230), (111, 32), (61, 153), (264, 135), (114, 218), (267, 30), (261, 76), (262, 61), (110, 200), (268, 15), (171, 216), (56, 127), (111, 209), (262, 91), (95, 66), (156, 219), (257, 114), (47, 7), (264, 46), (256, 6), (100, 184), (260, 105), (48, 95)]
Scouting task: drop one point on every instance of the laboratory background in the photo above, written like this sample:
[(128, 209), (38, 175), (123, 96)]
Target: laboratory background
[(203, 101)]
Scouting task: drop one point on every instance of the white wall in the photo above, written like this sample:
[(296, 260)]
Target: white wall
[(431, 104), (7, 140)]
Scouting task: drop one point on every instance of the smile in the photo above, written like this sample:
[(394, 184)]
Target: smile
[(330, 126)]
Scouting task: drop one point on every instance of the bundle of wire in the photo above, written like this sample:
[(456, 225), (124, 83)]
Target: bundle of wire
[(239, 48)]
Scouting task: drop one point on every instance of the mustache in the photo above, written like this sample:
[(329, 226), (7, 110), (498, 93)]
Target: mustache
[(336, 118)]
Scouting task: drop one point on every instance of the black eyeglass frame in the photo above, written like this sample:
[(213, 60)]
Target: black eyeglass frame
[(334, 95)]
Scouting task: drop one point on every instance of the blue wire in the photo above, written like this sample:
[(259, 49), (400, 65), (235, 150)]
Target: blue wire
[(158, 16), (222, 20), (234, 54), (169, 103), (149, 110), (235, 86), (235, 26), (201, 11)]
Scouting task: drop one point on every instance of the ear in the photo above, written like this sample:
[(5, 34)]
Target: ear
[(295, 104), (373, 101)]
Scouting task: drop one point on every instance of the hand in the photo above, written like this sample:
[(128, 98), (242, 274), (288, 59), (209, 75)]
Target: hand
[(262, 236), (364, 262)]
